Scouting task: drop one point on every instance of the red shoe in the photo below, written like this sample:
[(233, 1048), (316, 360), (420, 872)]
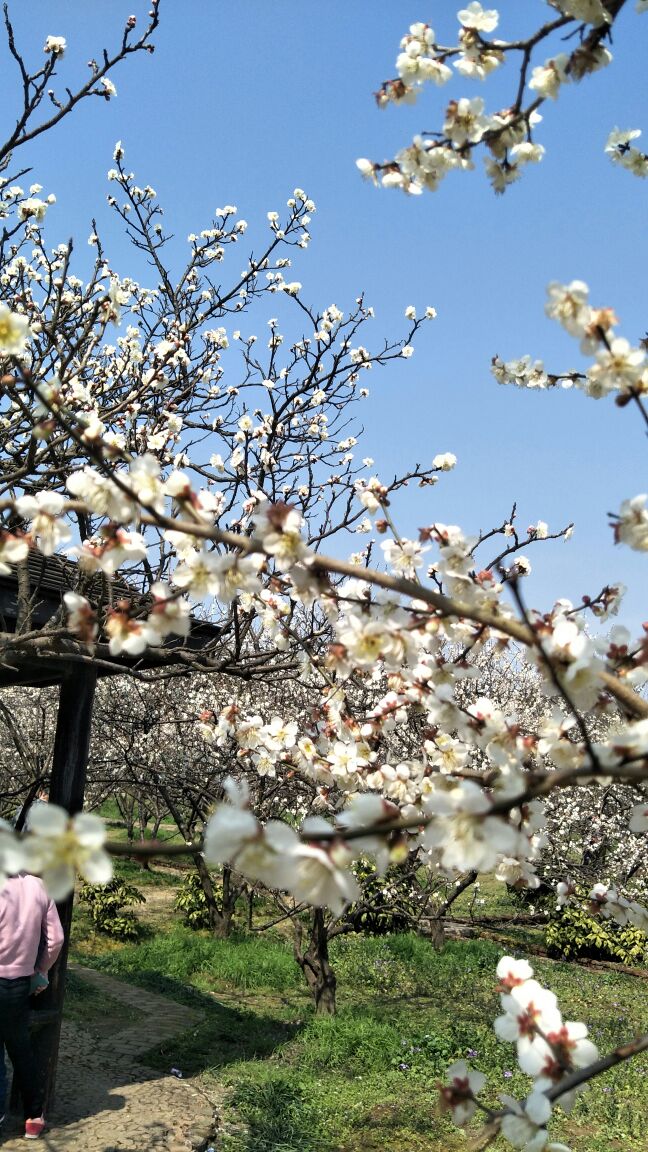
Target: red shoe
[(34, 1128)]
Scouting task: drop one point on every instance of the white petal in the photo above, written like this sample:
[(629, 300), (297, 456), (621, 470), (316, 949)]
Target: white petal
[(538, 1108), (97, 868), (506, 1028), (89, 829), (59, 881), (47, 820)]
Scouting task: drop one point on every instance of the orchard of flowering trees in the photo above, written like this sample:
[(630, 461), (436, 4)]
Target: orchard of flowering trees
[(402, 702)]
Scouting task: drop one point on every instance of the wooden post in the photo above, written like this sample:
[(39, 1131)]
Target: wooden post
[(69, 762)]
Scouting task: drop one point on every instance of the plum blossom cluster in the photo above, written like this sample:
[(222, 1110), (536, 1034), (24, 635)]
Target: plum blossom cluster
[(619, 369), (466, 793), (549, 1050), (507, 133), (463, 792), (608, 901), (276, 854), (594, 833), (131, 457)]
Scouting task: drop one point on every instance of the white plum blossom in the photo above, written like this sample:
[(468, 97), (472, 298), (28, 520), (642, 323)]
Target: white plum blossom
[(589, 11), (617, 367), (345, 759), (568, 304), (366, 639), (15, 332), (144, 478), (415, 64), (126, 634), (81, 617), (275, 854), (278, 527), (13, 549), (224, 576), (558, 1051), (32, 209), (523, 1125), (55, 45), (523, 373), (444, 461), (463, 833), (404, 556), (321, 878), (620, 150), (44, 511), (231, 827), (529, 1010), (465, 121), (58, 847), (512, 972), (110, 549), (280, 734), (459, 1094), (170, 615), (481, 19), (101, 494), (547, 78), (631, 524), (526, 153), (548, 1051)]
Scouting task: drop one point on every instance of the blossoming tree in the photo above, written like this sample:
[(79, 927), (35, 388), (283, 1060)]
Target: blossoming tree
[(110, 452), (566, 48)]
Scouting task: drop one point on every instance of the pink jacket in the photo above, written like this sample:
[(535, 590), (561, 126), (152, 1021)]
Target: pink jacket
[(31, 935)]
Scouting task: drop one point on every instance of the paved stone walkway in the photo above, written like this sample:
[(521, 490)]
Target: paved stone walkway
[(106, 1099)]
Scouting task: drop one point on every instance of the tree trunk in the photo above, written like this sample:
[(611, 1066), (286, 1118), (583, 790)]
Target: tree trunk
[(126, 811), (314, 963), (220, 921), (432, 926), (231, 893), (142, 819)]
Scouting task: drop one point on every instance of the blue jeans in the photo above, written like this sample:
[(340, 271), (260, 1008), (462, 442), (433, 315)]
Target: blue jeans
[(3, 1081), (14, 1035)]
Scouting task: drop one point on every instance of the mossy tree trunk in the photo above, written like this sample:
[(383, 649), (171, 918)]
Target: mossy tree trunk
[(314, 962)]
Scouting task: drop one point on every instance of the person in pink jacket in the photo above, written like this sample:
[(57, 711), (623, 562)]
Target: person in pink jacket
[(31, 938)]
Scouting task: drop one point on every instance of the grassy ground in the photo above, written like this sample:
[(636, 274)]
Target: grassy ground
[(364, 1080)]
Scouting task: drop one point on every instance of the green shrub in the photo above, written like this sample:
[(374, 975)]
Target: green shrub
[(192, 902), (574, 932), (105, 903)]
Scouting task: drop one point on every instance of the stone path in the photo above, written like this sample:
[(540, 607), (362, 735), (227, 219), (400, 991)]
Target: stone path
[(106, 1099)]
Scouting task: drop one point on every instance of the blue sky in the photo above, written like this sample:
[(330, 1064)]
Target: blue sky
[(242, 101)]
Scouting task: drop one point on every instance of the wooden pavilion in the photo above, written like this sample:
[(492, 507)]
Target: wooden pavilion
[(31, 598)]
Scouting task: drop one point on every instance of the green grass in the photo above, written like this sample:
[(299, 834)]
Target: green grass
[(155, 876), (194, 958), (365, 1080)]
